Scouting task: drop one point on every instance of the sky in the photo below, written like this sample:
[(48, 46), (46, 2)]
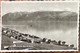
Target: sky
[(38, 6)]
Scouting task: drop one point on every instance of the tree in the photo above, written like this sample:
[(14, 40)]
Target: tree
[(54, 42), (44, 40), (59, 42), (49, 40), (72, 45), (63, 43)]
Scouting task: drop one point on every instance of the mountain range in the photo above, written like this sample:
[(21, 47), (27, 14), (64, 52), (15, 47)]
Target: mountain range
[(39, 16), (42, 20)]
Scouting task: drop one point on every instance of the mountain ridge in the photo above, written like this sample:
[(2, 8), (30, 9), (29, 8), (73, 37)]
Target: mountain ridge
[(39, 13)]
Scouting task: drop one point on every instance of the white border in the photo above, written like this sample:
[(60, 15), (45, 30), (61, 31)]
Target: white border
[(51, 0), (41, 50)]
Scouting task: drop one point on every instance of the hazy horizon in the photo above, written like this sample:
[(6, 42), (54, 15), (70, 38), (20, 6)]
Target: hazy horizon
[(38, 6)]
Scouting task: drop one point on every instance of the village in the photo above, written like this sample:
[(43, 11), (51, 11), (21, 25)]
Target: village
[(13, 34)]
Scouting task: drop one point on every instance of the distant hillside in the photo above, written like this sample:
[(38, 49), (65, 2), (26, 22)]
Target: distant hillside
[(12, 18)]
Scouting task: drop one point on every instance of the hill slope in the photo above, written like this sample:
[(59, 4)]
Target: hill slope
[(33, 46)]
